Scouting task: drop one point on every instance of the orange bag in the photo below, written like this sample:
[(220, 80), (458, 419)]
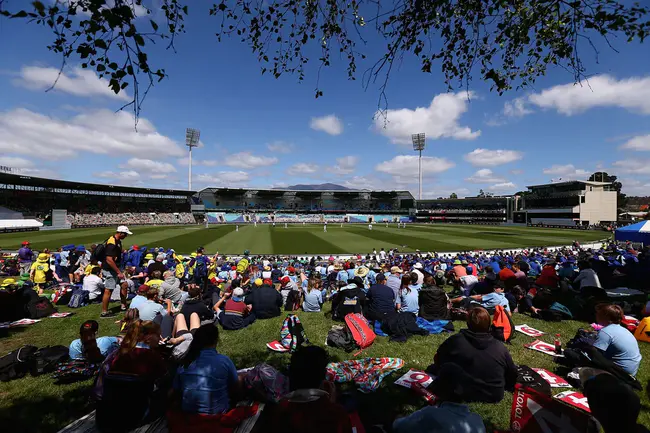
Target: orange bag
[(642, 332)]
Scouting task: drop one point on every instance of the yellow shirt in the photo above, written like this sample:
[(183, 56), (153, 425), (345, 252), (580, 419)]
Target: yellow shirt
[(39, 269), (180, 270), (154, 283), (212, 271)]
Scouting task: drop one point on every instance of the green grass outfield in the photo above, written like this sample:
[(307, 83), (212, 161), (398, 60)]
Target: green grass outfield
[(310, 239), (36, 404)]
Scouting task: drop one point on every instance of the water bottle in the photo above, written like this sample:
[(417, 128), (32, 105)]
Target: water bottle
[(558, 344)]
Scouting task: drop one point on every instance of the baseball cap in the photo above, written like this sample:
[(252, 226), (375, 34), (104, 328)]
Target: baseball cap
[(25, 243), (259, 282), (238, 292), (284, 280), (124, 229)]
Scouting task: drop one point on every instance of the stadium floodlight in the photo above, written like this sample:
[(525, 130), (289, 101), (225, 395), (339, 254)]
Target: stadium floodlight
[(419, 142), (191, 140)]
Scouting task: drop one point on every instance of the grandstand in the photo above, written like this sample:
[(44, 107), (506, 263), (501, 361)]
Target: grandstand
[(472, 210), (299, 201), (88, 205), (576, 203)]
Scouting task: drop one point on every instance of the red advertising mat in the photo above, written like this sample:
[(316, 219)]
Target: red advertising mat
[(418, 382), (527, 330), (534, 412), (553, 379), (543, 347), (575, 399)]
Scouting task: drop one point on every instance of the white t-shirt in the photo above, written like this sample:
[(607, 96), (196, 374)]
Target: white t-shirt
[(94, 286), (382, 254)]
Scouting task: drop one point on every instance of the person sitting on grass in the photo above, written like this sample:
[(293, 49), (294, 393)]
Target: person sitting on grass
[(313, 296), (155, 279), (381, 299), (152, 307), (265, 300), (489, 301), (548, 277), (171, 289), (407, 302), (89, 347), (235, 314), (434, 304), (139, 352), (205, 385), (311, 405), (183, 335), (471, 365), (94, 285), (194, 304), (616, 342)]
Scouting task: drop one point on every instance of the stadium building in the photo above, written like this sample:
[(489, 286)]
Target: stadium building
[(569, 204), (472, 210)]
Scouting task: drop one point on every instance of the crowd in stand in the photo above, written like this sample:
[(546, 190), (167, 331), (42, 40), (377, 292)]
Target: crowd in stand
[(174, 306), (133, 218)]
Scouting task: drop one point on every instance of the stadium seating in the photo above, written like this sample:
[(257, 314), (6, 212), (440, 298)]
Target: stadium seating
[(133, 218)]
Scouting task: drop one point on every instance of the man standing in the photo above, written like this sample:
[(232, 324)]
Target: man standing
[(111, 270), (25, 258)]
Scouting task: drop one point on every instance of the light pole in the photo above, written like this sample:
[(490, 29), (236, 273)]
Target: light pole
[(419, 142), (191, 140)]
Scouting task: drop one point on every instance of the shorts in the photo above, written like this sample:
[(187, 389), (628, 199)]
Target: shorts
[(110, 279), (180, 350)]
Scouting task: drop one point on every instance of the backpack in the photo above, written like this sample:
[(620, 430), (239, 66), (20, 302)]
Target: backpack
[(79, 298), (74, 370), (642, 332), (201, 269), (99, 254), (39, 308), (15, 364), (362, 333), (347, 301), (502, 327), (340, 336), (292, 334), (45, 359)]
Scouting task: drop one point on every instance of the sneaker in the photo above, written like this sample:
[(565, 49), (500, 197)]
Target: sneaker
[(124, 308), (106, 314)]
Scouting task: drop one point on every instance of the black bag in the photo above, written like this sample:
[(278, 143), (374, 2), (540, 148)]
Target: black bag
[(15, 365), (99, 253), (346, 302), (45, 360), (39, 308), (340, 336)]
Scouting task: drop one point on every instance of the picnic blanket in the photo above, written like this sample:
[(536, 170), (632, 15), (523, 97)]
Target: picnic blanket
[(378, 331), (367, 372), (435, 326)]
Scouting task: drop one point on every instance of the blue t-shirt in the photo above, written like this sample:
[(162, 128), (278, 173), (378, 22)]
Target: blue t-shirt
[(204, 384), (493, 299), (313, 300), (620, 346), (342, 276), (106, 346), (448, 417), (149, 309), (409, 300), (137, 301)]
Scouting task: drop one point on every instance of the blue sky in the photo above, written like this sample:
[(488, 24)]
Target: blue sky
[(261, 132)]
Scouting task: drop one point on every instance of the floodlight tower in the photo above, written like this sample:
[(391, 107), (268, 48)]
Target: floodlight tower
[(419, 142), (191, 140)]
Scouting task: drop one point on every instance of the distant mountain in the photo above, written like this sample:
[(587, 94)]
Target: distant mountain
[(326, 186)]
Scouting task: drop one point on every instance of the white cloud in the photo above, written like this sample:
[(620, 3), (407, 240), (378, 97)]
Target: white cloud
[(640, 142), (122, 175), (329, 124), (247, 160), (101, 132), (503, 187), (438, 120), (516, 108), (223, 178), (492, 157), (149, 166), (443, 191), (16, 162), (78, 82), (406, 166), (484, 175), (632, 94), (345, 165), (302, 168), (633, 166), (568, 171), (280, 147), (635, 187)]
